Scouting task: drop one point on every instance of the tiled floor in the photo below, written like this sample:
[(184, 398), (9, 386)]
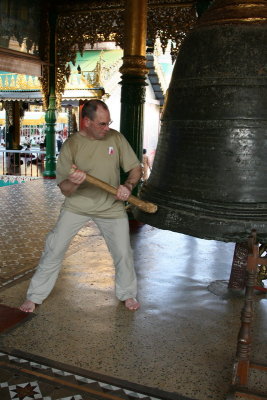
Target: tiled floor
[(183, 339)]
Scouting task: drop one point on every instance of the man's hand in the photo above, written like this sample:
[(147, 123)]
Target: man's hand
[(123, 193), (75, 178)]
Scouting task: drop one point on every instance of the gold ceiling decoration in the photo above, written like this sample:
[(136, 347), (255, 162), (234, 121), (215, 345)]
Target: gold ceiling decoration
[(104, 21), (74, 33), (170, 23)]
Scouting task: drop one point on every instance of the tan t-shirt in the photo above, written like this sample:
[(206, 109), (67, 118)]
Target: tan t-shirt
[(101, 159)]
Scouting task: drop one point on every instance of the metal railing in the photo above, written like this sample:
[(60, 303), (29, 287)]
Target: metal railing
[(22, 162)]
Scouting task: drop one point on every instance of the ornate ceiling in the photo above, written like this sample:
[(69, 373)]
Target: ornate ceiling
[(95, 21), (80, 23)]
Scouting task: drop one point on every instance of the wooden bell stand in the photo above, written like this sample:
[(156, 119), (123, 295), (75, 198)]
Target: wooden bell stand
[(243, 365)]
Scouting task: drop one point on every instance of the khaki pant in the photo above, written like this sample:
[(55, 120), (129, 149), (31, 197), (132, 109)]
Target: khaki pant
[(116, 235)]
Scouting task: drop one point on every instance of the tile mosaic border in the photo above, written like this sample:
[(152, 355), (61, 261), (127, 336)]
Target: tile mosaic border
[(84, 378)]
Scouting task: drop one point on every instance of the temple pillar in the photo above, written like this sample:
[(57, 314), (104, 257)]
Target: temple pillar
[(134, 71), (50, 116), (12, 124), (202, 6), (16, 123)]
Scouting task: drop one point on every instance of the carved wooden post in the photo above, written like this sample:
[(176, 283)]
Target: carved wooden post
[(239, 266), (241, 368)]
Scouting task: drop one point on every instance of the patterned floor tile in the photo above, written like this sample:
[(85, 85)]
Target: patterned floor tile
[(24, 378)]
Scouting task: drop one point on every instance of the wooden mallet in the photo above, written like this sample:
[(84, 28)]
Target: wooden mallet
[(143, 205)]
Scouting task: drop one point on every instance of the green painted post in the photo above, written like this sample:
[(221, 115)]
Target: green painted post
[(50, 119), (133, 93), (202, 6), (50, 116), (134, 71)]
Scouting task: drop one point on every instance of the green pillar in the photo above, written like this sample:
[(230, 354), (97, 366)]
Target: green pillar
[(133, 83), (50, 116), (50, 119), (202, 6), (133, 93)]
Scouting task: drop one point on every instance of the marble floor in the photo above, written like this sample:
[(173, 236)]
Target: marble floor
[(183, 338)]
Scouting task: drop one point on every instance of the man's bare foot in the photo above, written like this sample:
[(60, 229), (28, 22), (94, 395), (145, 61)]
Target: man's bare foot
[(132, 304), (28, 306)]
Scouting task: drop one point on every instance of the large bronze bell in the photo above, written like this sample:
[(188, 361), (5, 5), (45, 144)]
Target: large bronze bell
[(209, 176)]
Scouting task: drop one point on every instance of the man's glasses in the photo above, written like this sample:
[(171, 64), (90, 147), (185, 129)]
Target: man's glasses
[(104, 124)]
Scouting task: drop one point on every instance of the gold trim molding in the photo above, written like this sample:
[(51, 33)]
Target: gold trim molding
[(134, 65)]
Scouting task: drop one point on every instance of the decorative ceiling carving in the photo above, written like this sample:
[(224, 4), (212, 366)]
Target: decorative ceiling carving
[(169, 21), (90, 22)]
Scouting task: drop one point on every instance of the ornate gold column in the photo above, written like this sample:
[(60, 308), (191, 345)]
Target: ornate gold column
[(135, 35), (134, 74)]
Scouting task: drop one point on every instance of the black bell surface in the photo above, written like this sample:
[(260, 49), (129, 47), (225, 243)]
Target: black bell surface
[(209, 177)]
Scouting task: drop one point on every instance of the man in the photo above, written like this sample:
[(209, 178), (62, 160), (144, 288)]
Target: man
[(99, 151)]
